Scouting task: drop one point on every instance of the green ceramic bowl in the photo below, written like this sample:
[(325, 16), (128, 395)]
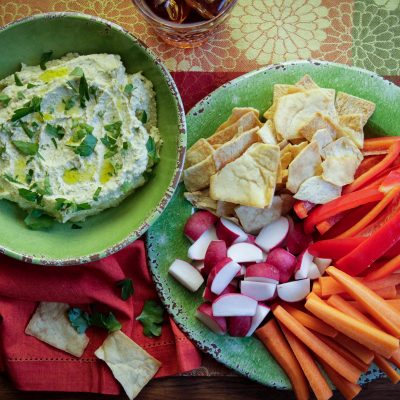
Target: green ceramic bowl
[(25, 41), (166, 241)]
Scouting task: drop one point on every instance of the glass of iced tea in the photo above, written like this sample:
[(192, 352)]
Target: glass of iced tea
[(185, 23)]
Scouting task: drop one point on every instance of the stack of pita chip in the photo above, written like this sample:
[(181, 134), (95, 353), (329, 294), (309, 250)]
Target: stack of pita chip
[(308, 149)]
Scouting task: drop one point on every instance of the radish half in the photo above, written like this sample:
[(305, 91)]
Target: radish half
[(209, 296), (261, 312), (296, 240), (322, 263), (294, 291), (205, 315), (238, 326), (284, 261), (234, 305), (262, 272), (198, 223), (260, 291), (197, 251), (222, 274), (304, 261), (186, 274), (313, 271), (273, 234), (216, 251), (245, 252), (230, 232)]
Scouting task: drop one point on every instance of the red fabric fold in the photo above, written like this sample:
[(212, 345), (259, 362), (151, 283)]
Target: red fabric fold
[(33, 365)]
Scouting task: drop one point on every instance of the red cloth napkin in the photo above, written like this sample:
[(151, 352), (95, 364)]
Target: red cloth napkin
[(33, 365)]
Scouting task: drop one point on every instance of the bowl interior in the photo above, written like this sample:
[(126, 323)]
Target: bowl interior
[(25, 42)]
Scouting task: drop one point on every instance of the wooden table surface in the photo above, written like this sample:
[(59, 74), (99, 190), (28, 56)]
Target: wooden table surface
[(199, 388)]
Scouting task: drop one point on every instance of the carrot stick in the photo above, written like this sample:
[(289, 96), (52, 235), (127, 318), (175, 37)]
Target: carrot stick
[(345, 353), (395, 359), (330, 286), (316, 288), (387, 269), (360, 351), (374, 339), (387, 293), (393, 302), (310, 322), (390, 157), (272, 338), (348, 389), (314, 376), (335, 360), (326, 225), (367, 164), (380, 143), (385, 367), (363, 222), (382, 311)]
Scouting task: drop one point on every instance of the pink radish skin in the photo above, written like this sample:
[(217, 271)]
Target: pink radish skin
[(294, 291), (216, 252), (209, 296), (245, 253), (261, 313), (262, 272), (221, 275), (260, 291), (303, 265), (186, 274), (273, 234), (296, 241), (197, 251), (250, 239), (216, 324), (234, 305), (230, 232), (239, 326), (284, 261), (198, 223)]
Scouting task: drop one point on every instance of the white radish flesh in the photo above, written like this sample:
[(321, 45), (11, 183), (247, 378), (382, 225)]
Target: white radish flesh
[(209, 296), (273, 234), (260, 291), (262, 272), (216, 324), (313, 272), (230, 232), (198, 223), (261, 312), (245, 252), (186, 274), (234, 305), (294, 291), (197, 251), (322, 263), (303, 266), (222, 274)]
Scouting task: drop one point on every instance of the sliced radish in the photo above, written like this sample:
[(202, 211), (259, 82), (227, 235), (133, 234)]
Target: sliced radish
[(284, 261), (273, 234), (222, 274), (251, 239), (198, 223), (216, 251), (238, 326), (322, 263), (234, 305), (261, 312), (245, 252), (205, 315), (296, 240), (186, 274), (294, 291), (304, 261), (313, 272), (209, 296), (260, 291), (242, 272), (230, 232), (262, 272), (197, 251)]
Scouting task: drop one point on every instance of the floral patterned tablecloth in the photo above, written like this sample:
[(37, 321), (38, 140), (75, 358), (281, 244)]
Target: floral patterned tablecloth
[(364, 33)]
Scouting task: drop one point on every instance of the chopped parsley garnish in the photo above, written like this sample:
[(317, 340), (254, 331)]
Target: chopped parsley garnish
[(45, 57), (111, 153), (108, 141), (77, 71), (151, 318), (54, 142), (29, 176), (30, 85), (20, 95), (28, 195), (152, 150), (25, 128), (56, 131), (4, 100), (83, 206), (6, 130), (2, 149), (97, 193), (125, 145), (93, 90), (83, 91), (9, 178), (76, 226), (81, 320), (128, 89), (29, 108), (114, 129), (18, 81), (126, 286), (37, 220), (86, 147), (26, 148), (141, 115), (69, 103), (45, 189), (64, 204)]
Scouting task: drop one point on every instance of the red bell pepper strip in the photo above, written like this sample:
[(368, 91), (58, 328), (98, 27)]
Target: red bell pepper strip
[(343, 203), (302, 208), (390, 157), (393, 251), (368, 218), (392, 180), (372, 248), (334, 248), (380, 143), (387, 269), (367, 164), (324, 226)]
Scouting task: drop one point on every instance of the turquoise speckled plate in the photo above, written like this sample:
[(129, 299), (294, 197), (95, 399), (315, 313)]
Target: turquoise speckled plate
[(166, 240)]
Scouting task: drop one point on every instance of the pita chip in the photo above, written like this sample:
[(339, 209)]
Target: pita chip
[(280, 90), (198, 152), (307, 83), (249, 180), (304, 166), (50, 324), (254, 219), (237, 112), (319, 121), (267, 134), (322, 137), (352, 125), (348, 104), (317, 191), (197, 177), (286, 159), (131, 366), (202, 200)]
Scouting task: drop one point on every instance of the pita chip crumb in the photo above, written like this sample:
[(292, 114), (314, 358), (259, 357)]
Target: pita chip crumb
[(201, 199)]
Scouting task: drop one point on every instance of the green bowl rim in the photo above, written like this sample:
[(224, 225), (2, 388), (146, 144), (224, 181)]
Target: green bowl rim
[(181, 149)]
